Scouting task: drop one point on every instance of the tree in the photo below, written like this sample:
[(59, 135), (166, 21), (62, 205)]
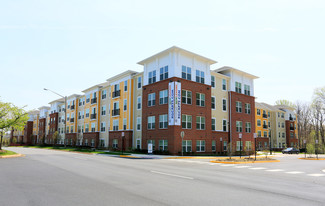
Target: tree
[(11, 116), (55, 137), (285, 102)]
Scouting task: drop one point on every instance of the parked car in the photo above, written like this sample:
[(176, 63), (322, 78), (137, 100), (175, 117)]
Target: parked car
[(290, 150)]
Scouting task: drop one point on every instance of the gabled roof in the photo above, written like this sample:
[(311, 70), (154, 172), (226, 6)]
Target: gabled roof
[(104, 84), (284, 107), (122, 75), (44, 107), (175, 48), (57, 100), (73, 95), (227, 68)]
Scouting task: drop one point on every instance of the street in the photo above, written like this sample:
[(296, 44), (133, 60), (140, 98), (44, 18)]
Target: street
[(56, 178)]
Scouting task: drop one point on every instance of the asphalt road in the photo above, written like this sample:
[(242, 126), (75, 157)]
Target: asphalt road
[(55, 178)]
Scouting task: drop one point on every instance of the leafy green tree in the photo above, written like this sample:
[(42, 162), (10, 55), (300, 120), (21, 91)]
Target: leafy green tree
[(55, 137), (310, 149), (285, 102), (11, 116)]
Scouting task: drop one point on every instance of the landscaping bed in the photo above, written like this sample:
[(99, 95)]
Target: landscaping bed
[(6, 152), (244, 160)]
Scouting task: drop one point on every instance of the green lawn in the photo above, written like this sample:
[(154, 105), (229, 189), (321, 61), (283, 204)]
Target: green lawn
[(6, 152)]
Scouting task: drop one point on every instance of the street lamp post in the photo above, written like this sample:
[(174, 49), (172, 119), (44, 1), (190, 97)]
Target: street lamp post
[(305, 148), (220, 145), (65, 113), (182, 136), (255, 137), (316, 148), (240, 136), (123, 137)]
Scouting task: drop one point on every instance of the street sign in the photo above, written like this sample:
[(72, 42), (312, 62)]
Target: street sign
[(122, 134), (255, 135), (316, 141), (220, 139), (304, 141), (182, 134), (240, 135), (150, 148)]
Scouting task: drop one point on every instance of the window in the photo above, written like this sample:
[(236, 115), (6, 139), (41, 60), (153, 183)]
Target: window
[(139, 82), (104, 94), (213, 102), (213, 146), (152, 77), (163, 121), (93, 127), (151, 99), (163, 97), (199, 76), (116, 92), (268, 114), (187, 145), (239, 126), (279, 125), (282, 115), (124, 124), (163, 145), (258, 122), (71, 129), (116, 109), (213, 124), (224, 84), (139, 103), (87, 113), (225, 146), (238, 87), (151, 122), (265, 134), (200, 145), (200, 99), (248, 127), (186, 97), (186, 73), (238, 107), (138, 143), (283, 135), (138, 123), (115, 143), (103, 110), (258, 111), (86, 142), (224, 125), (124, 104), (259, 133), (248, 145), (102, 127), (115, 125), (153, 144), (247, 108), (239, 145), (163, 73), (282, 125), (186, 121), (200, 123), (247, 89), (86, 127), (126, 85), (224, 105), (213, 81), (80, 101)]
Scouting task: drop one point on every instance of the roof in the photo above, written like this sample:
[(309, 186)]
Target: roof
[(122, 75), (284, 107), (73, 95), (228, 68), (175, 48), (44, 107), (265, 106), (104, 84), (57, 100)]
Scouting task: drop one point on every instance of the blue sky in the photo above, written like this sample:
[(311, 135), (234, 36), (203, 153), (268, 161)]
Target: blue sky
[(70, 45)]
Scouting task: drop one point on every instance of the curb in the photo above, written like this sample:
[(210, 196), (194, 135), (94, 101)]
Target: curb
[(209, 157), (249, 162), (12, 156), (302, 158)]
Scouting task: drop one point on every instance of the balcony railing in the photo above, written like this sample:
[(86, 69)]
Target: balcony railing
[(116, 93), (265, 126), (115, 112), (93, 116), (94, 100), (72, 120), (72, 107), (264, 115)]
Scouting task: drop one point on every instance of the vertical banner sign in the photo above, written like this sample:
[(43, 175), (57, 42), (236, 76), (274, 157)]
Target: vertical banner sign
[(178, 103), (171, 103)]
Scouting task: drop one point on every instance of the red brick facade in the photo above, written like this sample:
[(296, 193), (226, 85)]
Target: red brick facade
[(91, 136), (28, 133), (41, 131), (118, 135), (291, 136)]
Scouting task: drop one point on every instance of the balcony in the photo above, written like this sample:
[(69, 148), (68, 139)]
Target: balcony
[(292, 128), (264, 115), (93, 116), (72, 107), (94, 100), (265, 126), (72, 120), (115, 112), (116, 93), (104, 96)]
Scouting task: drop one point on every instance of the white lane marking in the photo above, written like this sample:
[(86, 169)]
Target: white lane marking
[(295, 172), (214, 163), (227, 165), (257, 168), (173, 175), (242, 166), (80, 158), (275, 170), (316, 175)]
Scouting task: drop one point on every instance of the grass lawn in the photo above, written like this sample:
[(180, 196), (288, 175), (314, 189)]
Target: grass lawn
[(6, 152)]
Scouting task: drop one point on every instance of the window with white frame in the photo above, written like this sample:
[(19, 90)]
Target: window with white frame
[(115, 124), (102, 127), (213, 81), (163, 73), (213, 102), (152, 77), (153, 144), (86, 127), (239, 145), (103, 112), (239, 126), (151, 99), (138, 123), (125, 105), (163, 97), (258, 123), (163, 121), (115, 143), (213, 146), (138, 143), (238, 87), (139, 103), (248, 127), (224, 84), (247, 90), (224, 105), (163, 145), (187, 145), (104, 93), (247, 108), (282, 125), (238, 107), (200, 99), (93, 127), (87, 113), (259, 133), (200, 145), (124, 124), (139, 82), (213, 124), (186, 72), (126, 85), (199, 76), (200, 123), (248, 145), (186, 97), (224, 125), (186, 121), (151, 122), (225, 143), (265, 133)]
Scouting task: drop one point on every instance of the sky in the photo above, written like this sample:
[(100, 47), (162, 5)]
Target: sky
[(71, 45)]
